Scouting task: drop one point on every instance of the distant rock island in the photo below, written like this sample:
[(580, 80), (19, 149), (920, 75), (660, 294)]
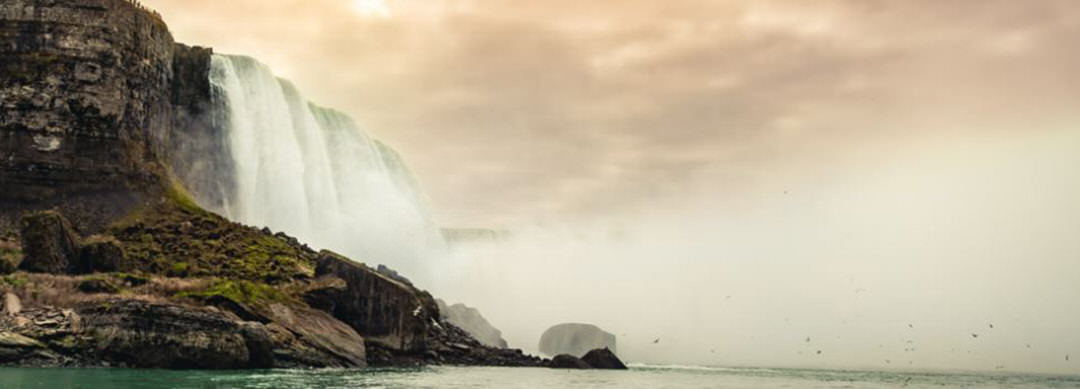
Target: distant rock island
[(575, 339), (107, 260)]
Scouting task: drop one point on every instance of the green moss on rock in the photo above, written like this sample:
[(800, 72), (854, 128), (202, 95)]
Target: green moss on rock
[(239, 291), (11, 256), (178, 239)]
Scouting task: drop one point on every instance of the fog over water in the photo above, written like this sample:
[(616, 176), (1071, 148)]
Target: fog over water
[(889, 266), (885, 179)]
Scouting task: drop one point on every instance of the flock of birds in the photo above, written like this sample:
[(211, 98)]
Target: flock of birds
[(974, 335), (911, 348)]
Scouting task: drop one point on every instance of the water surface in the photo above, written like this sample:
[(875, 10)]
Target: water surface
[(482, 378)]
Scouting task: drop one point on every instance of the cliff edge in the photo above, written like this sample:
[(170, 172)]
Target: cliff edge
[(105, 259)]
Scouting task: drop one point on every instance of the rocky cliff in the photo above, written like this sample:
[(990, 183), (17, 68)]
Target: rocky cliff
[(86, 111), (106, 260)]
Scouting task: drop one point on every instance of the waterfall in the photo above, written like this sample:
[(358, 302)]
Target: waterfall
[(313, 173)]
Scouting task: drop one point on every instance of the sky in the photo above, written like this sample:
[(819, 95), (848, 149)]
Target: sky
[(862, 173)]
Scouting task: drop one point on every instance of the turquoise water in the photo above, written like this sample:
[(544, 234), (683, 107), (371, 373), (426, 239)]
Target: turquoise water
[(483, 378)]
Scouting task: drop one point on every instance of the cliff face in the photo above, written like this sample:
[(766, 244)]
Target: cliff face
[(86, 106), (99, 110)]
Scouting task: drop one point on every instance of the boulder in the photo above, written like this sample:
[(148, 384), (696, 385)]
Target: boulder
[(603, 359), (566, 361), (470, 320), (12, 306), (575, 339), (50, 245), (102, 254), (322, 340), (10, 256), (15, 347), (9, 264), (385, 311), (150, 335)]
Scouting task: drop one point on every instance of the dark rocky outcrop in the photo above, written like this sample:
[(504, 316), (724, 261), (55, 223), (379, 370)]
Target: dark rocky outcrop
[(575, 339), (387, 312), (50, 244), (567, 361), (11, 256), (603, 359), (450, 345), (85, 107), (470, 320), (102, 254), (595, 359), (198, 152), (83, 321), (149, 335), (317, 339)]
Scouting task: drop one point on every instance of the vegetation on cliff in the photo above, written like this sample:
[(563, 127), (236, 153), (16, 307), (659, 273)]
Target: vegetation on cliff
[(105, 259)]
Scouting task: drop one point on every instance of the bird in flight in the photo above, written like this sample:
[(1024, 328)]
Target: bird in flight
[(974, 335), (657, 341)]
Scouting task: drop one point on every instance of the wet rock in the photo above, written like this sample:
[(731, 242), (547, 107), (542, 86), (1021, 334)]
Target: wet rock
[(575, 339), (322, 293), (603, 359), (566, 361), (385, 311), (149, 335), (327, 341), (49, 243), (15, 347)]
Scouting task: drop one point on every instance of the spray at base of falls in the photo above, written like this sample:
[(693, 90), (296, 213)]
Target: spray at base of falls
[(313, 173)]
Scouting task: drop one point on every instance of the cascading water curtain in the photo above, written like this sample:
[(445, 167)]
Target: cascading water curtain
[(313, 173)]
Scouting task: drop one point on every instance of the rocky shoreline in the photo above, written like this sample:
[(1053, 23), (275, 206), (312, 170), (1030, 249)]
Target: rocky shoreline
[(107, 260), (107, 300)]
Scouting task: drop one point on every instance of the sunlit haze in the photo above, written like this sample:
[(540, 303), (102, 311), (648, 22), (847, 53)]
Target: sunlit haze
[(842, 184)]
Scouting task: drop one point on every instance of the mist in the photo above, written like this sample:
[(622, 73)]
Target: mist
[(863, 175), (890, 265)]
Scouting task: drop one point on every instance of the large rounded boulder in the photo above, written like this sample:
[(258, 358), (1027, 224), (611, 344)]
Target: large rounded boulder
[(50, 244), (575, 339), (603, 359)]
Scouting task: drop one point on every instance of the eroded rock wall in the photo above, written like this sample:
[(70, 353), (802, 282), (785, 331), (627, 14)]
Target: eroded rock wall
[(85, 106)]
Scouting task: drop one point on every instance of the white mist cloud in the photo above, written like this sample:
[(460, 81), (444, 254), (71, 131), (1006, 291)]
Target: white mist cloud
[(928, 151), (947, 242)]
